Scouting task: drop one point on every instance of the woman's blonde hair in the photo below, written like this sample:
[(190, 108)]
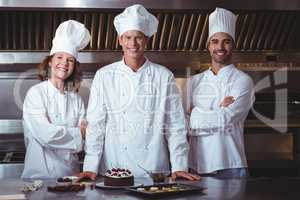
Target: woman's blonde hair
[(72, 83)]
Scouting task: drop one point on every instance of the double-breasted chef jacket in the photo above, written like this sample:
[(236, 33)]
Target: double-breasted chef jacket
[(135, 119), (51, 129), (216, 137)]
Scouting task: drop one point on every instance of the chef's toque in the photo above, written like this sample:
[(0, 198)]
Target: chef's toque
[(222, 20), (70, 37), (137, 18)]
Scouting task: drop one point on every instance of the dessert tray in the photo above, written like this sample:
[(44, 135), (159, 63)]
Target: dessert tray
[(70, 187), (165, 189)]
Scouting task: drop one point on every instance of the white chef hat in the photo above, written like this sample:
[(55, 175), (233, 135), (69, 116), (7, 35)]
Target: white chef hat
[(136, 17), (70, 37), (222, 20)]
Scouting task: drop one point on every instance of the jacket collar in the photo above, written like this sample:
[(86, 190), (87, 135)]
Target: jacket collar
[(140, 70), (144, 68), (223, 74), (52, 89)]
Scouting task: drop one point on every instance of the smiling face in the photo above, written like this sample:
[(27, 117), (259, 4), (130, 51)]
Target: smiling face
[(62, 65), (220, 47), (133, 45)]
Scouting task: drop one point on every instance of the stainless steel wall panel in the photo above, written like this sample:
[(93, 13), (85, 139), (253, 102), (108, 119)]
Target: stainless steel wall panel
[(11, 170), (11, 126), (12, 94), (91, 61)]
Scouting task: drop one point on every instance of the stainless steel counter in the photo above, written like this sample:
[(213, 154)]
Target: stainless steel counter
[(263, 188)]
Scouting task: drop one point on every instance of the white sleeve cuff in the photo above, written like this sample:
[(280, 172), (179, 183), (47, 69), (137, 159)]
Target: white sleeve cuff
[(180, 164), (78, 141), (91, 163)]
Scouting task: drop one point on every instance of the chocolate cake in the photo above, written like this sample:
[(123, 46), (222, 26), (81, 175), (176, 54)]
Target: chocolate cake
[(118, 177)]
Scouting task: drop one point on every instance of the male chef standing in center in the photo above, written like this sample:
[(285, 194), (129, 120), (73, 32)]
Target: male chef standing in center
[(135, 114)]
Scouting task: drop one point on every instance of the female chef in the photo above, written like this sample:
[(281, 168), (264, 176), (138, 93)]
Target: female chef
[(53, 112)]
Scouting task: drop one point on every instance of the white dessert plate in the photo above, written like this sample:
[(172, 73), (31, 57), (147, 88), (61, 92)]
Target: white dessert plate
[(102, 186)]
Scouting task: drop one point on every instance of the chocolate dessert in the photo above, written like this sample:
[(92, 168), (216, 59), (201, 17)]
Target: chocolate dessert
[(118, 177)]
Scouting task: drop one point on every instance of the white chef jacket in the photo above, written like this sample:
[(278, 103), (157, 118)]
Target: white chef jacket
[(51, 130), (135, 118), (216, 140)]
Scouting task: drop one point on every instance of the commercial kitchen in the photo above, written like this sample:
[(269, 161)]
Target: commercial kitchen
[(267, 48)]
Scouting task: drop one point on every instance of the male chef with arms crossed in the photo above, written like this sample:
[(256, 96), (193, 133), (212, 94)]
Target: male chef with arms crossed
[(220, 99), (135, 114)]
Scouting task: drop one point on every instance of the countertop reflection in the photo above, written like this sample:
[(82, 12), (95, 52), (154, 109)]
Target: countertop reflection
[(225, 189)]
